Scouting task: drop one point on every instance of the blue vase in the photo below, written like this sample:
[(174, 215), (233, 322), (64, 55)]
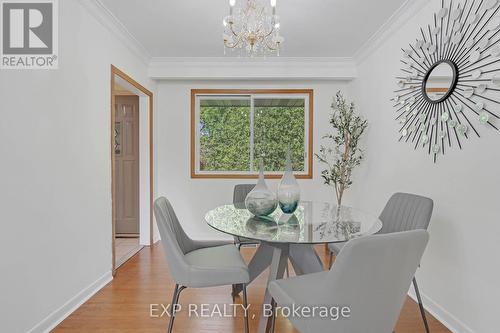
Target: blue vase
[(288, 190), (261, 201)]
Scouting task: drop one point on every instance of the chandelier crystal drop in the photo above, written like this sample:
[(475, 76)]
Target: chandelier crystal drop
[(253, 26)]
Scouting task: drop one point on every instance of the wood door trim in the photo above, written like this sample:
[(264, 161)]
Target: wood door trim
[(194, 92), (126, 77)]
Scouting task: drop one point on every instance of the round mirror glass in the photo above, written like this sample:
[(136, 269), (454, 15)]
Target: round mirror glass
[(439, 82)]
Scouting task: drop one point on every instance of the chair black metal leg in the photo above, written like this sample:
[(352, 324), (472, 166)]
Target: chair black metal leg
[(175, 300), (233, 292), (420, 305), (273, 319), (245, 304)]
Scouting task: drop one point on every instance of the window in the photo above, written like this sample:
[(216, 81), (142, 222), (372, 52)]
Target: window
[(231, 130)]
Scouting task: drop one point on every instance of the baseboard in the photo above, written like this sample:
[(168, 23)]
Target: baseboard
[(128, 256), (127, 235), (56, 317), (446, 318), (156, 239)]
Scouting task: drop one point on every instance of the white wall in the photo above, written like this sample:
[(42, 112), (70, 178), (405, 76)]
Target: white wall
[(55, 179), (192, 198), (459, 272)]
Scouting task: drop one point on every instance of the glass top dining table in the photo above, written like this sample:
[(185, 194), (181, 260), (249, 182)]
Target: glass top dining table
[(290, 238), (312, 223)]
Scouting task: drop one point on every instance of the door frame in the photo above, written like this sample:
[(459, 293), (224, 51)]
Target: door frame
[(149, 94)]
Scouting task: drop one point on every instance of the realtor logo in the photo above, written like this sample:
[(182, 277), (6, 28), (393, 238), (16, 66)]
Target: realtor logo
[(29, 34)]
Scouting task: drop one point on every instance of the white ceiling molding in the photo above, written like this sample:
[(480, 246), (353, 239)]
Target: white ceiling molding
[(322, 68), (252, 68), (396, 21), (109, 21)]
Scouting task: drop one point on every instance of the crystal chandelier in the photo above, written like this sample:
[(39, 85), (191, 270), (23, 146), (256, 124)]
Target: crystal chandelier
[(253, 26)]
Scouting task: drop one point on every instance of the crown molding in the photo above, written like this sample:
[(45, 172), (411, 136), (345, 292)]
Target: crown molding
[(245, 59), (97, 9), (252, 68), (395, 22), (322, 68)]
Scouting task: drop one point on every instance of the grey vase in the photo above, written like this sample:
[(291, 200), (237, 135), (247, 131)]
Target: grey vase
[(288, 190), (261, 201)]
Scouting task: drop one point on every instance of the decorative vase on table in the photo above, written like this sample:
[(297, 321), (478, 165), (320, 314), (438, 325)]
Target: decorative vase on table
[(288, 190), (261, 201)]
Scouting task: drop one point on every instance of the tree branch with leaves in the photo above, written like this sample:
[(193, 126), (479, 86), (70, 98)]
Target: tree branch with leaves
[(344, 155)]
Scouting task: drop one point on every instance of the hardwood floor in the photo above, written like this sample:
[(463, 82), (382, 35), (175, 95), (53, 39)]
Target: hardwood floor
[(124, 304)]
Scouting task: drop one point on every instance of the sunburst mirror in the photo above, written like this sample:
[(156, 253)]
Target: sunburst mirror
[(451, 77)]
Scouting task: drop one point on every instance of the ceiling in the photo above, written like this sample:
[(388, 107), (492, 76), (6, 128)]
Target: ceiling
[(193, 28)]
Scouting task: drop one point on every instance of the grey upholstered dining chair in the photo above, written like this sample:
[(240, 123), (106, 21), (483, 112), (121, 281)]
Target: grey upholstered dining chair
[(403, 212), (371, 277), (197, 264)]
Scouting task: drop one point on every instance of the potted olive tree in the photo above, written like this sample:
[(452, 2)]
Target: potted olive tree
[(343, 154)]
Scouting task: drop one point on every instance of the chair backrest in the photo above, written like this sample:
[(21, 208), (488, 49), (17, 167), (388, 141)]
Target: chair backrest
[(372, 276), (405, 211), (240, 193), (174, 240)]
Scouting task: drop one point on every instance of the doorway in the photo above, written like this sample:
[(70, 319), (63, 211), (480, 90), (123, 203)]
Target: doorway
[(132, 167), (126, 180)]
